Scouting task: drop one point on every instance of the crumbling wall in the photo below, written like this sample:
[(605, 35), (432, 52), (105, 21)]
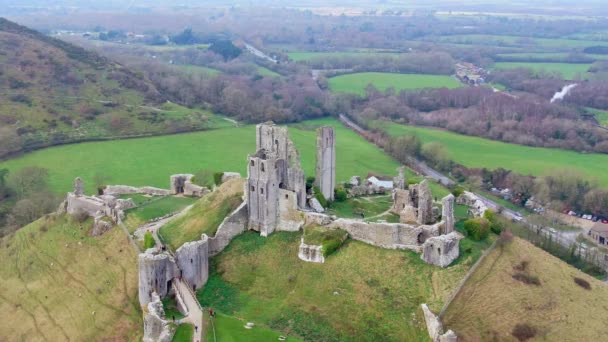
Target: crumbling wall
[(447, 213), (233, 225), (425, 203), (290, 219), (326, 161), (193, 261), (90, 205), (310, 253), (155, 273), (399, 182), (128, 190), (441, 250), (435, 328), (156, 328)]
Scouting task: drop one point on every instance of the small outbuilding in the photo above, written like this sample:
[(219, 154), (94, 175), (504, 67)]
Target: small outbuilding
[(599, 233)]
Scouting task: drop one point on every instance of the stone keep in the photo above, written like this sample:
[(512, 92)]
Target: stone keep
[(155, 274), (193, 261), (272, 171), (447, 213), (326, 161)]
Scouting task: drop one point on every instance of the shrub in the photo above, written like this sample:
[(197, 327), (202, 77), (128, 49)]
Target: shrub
[(477, 228), (330, 246), (149, 240), (582, 283), (523, 332), (495, 226), (458, 190), (310, 182), (203, 178), (505, 237), (319, 196), (217, 178), (340, 194)]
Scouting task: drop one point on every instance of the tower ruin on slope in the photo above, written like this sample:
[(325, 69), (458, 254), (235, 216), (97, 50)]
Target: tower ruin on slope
[(275, 181), (326, 161)]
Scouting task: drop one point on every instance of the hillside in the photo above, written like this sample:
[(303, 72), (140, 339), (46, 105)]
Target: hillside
[(53, 92), (492, 302), (59, 284)]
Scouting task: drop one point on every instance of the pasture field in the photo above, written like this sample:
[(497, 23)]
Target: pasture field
[(600, 115), (546, 55), (58, 284), (478, 152), (568, 71), (150, 161), (356, 83), (308, 56), (232, 329), (361, 292), (267, 72), (493, 301), (498, 40)]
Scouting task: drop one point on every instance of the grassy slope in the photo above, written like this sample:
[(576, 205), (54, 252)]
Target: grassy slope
[(150, 161), (61, 284), (479, 152), (360, 293), (231, 329), (356, 83), (205, 216), (569, 71), (600, 115), (183, 333), (492, 302), (158, 207)]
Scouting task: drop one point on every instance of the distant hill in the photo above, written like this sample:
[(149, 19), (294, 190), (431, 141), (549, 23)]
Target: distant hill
[(53, 92)]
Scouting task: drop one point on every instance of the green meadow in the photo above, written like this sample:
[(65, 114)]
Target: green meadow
[(568, 71), (488, 39), (356, 83), (307, 56), (600, 115), (150, 161), (479, 152)]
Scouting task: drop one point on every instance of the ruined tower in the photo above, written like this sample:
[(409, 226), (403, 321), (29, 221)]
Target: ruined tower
[(326, 161), (274, 174), (78, 187), (425, 203), (447, 213), (399, 181)]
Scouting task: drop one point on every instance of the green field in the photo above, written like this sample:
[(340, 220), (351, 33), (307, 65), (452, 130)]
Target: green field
[(600, 115), (158, 207), (360, 293), (309, 56), (546, 55), (478, 152), (356, 83), (231, 329), (183, 333), (267, 72), (568, 71), (150, 161), (497, 40), (197, 69)]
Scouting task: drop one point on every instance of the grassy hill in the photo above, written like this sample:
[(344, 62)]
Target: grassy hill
[(59, 284), (150, 161), (492, 301), (54, 92), (356, 83), (478, 152), (361, 292)]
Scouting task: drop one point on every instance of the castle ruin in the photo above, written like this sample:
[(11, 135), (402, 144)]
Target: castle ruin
[(326, 162)]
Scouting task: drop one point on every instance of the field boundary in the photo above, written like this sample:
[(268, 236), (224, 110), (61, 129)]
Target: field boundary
[(465, 279)]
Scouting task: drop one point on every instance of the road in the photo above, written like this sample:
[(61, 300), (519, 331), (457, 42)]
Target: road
[(253, 50)]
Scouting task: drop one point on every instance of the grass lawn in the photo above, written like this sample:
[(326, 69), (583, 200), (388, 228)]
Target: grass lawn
[(356, 83), (232, 329), (478, 152), (59, 284), (569, 71), (361, 292), (600, 115), (492, 302), (171, 310), (368, 206), (160, 206), (183, 333), (150, 161), (205, 216)]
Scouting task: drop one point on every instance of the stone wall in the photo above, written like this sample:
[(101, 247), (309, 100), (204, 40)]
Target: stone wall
[(435, 328), (156, 328), (156, 270), (193, 261), (388, 235), (127, 190), (91, 205), (425, 203), (326, 161), (233, 225), (310, 253), (290, 218), (447, 213)]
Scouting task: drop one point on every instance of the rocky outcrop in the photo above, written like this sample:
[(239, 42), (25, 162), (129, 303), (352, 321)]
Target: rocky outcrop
[(156, 270), (101, 224), (310, 253), (193, 261), (156, 328), (317, 219), (326, 161), (93, 206), (233, 225), (355, 181), (316, 205), (435, 328), (441, 250)]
